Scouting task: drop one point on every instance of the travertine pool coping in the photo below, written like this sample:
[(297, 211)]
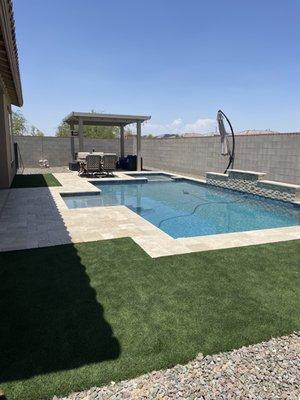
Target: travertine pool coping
[(38, 217)]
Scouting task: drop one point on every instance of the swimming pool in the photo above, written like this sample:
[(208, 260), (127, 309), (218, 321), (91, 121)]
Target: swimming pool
[(184, 208)]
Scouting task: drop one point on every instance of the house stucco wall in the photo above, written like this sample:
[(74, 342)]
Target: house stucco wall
[(7, 160)]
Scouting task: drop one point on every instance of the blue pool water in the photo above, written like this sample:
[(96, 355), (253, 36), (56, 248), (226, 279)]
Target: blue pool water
[(184, 208)]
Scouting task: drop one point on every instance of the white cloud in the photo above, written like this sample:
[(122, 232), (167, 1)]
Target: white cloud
[(201, 125), (177, 122)]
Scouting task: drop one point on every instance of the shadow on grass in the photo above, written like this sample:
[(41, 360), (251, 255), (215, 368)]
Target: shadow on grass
[(51, 319), (34, 180)]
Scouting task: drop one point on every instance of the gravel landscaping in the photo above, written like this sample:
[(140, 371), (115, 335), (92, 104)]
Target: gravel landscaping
[(269, 370)]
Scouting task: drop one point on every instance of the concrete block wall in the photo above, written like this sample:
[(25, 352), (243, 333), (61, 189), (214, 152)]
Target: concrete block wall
[(58, 150), (277, 155), (189, 155)]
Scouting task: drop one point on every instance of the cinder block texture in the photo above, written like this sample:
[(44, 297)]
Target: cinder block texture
[(277, 155), (58, 150)]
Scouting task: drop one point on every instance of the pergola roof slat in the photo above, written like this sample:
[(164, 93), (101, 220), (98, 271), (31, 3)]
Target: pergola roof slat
[(104, 119)]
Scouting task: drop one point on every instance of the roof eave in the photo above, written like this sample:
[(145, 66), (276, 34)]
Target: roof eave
[(9, 37)]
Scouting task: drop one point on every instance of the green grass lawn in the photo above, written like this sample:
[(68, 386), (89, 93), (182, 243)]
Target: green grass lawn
[(76, 316), (34, 180)]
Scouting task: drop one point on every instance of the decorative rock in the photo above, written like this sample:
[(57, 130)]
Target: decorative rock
[(265, 371)]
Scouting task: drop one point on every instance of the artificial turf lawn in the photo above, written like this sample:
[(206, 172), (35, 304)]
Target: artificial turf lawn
[(76, 316), (34, 180)]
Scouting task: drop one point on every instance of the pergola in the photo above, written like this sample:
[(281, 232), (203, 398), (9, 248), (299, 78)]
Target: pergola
[(80, 119)]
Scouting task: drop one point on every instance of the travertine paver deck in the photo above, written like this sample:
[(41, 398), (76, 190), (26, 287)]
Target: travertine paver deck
[(38, 217)]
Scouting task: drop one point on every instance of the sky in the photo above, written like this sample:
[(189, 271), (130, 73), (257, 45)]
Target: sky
[(176, 60)]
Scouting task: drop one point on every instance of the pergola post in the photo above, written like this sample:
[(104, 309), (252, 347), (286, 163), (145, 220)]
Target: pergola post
[(122, 142), (138, 146), (80, 133), (72, 142)]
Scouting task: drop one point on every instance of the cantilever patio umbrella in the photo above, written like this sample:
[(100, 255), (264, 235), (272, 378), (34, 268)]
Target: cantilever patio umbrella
[(225, 146)]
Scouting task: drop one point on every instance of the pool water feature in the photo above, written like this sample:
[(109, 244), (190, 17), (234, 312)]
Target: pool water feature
[(184, 208)]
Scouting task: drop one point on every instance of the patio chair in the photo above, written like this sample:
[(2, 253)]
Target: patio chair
[(81, 155), (93, 164), (109, 161)]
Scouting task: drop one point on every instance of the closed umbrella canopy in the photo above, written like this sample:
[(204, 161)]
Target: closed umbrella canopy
[(223, 133), (225, 148)]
